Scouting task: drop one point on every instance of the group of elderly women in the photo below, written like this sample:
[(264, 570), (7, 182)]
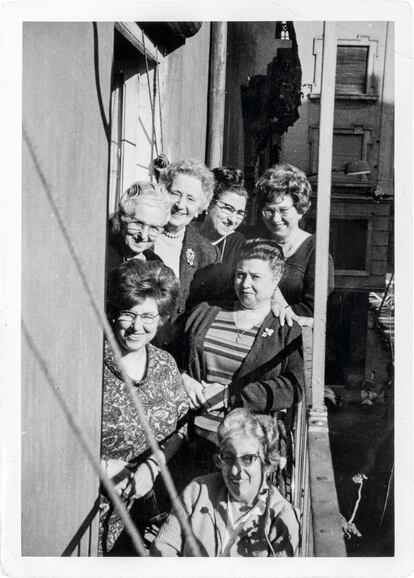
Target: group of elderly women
[(208, 326)]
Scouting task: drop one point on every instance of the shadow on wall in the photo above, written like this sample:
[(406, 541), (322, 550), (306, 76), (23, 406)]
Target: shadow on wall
[(105, 121)]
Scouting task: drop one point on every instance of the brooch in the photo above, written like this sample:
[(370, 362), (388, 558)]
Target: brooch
[(190, 255), (267, 332)]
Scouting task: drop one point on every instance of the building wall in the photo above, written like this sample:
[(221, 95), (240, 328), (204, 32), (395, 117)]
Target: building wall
[(378, 115), (66, 95), (184, 96), (252, 46)]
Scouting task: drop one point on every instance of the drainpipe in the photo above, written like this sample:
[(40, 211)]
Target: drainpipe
[(217, 94)]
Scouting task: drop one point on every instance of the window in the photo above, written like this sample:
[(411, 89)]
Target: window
[(350, 240), (351, 69), (355, 68), (349, 144), (349, 256), (131, 109)]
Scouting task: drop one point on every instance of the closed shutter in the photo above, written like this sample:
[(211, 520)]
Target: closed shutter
[(351, 69)]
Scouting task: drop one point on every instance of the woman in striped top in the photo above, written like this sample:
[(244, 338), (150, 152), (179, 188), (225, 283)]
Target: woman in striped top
[(240, 356)]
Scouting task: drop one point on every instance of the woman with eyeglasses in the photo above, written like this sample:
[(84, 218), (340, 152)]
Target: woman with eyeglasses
[(226, 213), (143, 211), (141, 296), (238, 511), (283, 194), (189, 184)]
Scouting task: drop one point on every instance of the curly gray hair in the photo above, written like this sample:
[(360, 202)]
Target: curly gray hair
[(142, 191), (128, 206), (264, 428), (195, 169)]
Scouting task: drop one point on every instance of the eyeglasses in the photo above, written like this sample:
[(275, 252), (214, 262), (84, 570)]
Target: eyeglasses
[(270, 212), (243, 461), (128, 318), (135, 227), (178, 195), (229, 210)]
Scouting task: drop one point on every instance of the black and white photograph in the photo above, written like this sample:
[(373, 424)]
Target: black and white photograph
[(207, 296)]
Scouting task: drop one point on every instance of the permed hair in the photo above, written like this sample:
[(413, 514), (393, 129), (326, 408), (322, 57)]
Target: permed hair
[(135, 280), (263, 428), (265, 250), (281, 180), (140, 192), (228, 179), (193, 168)]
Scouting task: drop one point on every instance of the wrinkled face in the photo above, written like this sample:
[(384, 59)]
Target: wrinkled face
[(136, 327), (281, 218), (243, 482), (227, 213), (186, 194), (254, 283), (145, 226)]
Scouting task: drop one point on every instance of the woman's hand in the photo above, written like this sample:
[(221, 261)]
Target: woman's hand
[(120, 475), (195, 392), (281, 308), (284, 312), (143, 480), (215, 394)]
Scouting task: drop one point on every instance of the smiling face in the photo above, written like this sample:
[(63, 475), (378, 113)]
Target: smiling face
[(132, 332), (222, 216), (281, 218), (145, 225), (254, 283), (187, 196), (243, 483)]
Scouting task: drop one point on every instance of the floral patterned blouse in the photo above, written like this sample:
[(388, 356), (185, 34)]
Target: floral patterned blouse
[(163, 398)]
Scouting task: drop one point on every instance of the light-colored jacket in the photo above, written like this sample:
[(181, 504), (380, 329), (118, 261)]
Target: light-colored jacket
[(272, 529)]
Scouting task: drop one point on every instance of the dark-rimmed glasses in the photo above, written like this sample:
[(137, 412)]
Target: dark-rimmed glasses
[(243, 461), (229, 210)]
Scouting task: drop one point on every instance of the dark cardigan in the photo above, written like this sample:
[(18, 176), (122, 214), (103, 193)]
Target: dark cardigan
[(196, 253), (115, 256), (215, 283), (298, 282), (270, 378)]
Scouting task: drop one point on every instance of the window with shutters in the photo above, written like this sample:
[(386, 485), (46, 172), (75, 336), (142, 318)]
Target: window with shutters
[(350, 143), (355, 68), (351, 69)]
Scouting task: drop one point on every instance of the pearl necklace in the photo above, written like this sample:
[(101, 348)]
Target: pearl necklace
[(177, 236)]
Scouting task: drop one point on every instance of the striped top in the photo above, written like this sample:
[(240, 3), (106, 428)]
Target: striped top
[(223, 354)]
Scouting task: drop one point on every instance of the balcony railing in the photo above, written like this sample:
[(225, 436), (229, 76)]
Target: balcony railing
[(314, 492)]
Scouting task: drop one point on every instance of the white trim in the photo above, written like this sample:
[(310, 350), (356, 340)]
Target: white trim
[(135, 35)]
